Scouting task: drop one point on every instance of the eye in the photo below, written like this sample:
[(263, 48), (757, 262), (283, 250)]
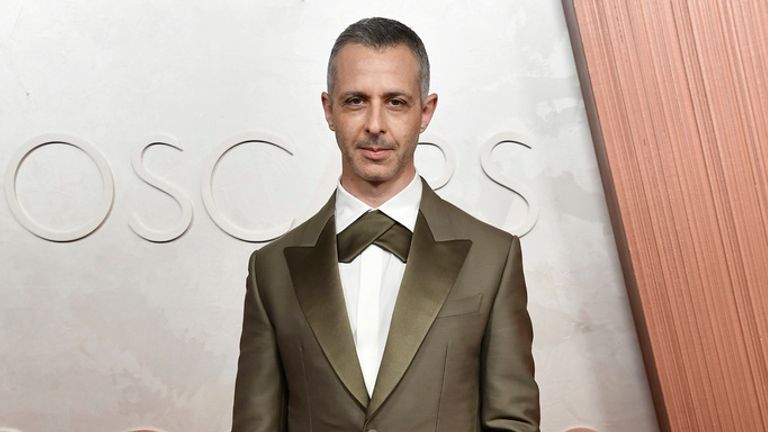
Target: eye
[(354, 100), (397, 103)]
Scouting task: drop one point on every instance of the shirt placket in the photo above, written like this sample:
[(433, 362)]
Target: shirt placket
[(368, 307)]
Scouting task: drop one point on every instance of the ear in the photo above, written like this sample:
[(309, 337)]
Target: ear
[(427, 110), (328, 109)]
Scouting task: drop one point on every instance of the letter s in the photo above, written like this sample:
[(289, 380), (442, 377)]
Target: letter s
[(136, 224), (493, 172), (448, 155)]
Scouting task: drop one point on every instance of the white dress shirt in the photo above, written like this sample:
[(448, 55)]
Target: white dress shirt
[(372, 280)]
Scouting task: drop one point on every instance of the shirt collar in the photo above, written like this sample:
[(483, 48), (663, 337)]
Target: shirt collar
[(403, 207)]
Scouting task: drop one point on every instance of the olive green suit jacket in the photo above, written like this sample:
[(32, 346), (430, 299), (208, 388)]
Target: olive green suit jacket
[(457, 358)]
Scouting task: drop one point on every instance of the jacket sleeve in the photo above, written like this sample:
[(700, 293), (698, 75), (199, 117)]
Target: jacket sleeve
[(510, 396), (260, 389)]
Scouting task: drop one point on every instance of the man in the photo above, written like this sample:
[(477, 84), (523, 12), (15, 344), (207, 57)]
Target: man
[(390, 309)]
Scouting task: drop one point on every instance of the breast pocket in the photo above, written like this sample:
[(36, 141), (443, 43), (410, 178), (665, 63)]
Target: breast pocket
[(461, 306)]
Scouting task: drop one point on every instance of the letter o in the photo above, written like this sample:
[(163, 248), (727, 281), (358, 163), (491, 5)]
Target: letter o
[(21, 215)]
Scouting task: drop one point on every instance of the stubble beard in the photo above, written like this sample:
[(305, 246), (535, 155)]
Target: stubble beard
[(375, 172)]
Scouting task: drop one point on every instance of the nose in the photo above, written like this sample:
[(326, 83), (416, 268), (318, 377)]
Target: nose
[(375, 121)]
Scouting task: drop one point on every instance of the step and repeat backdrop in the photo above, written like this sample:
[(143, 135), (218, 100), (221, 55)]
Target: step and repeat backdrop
[(148, 147)]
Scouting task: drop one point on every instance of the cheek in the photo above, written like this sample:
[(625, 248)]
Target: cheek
[(347, 128), (404, 127), (345, 139), (409, 134), (415, 124)]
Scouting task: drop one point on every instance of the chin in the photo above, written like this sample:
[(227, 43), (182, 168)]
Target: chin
[(374, 173), (375, 176)]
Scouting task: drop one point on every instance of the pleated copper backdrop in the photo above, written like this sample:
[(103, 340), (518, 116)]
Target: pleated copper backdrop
[(678, 99)]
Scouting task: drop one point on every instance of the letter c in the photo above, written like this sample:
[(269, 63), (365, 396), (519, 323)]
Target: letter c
[(218, 218)]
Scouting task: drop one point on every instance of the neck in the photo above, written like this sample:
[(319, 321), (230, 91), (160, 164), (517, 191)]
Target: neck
[(376, 193)]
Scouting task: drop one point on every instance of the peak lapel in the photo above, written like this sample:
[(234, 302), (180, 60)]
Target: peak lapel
[(432, 269), (315, 274)]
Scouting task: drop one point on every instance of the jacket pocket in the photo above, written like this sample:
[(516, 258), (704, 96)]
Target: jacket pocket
[(461, 306)]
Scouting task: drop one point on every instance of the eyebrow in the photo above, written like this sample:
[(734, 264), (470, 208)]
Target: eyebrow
[(352, 93), (387, 95), (397, 94)]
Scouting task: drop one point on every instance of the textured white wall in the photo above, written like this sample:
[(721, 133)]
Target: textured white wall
[(113, 332)]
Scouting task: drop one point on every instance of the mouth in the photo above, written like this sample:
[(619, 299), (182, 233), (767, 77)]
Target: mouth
[(372, 152)]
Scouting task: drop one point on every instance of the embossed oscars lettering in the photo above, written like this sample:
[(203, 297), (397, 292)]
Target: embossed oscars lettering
[(209, 167), (167, 234), (145, 429), (185, 204), (449, 167), (36, 228), (492, 170)]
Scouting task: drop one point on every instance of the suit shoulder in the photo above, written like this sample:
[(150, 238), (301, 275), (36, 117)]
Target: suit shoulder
[(292, 237), (471, 227)]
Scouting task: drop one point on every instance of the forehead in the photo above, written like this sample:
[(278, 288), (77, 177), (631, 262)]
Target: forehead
[(358, 65)]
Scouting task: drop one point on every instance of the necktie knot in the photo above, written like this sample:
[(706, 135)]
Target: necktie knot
[(373, 227)]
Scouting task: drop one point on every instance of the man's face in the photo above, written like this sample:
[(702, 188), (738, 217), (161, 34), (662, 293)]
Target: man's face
[(376, 113)]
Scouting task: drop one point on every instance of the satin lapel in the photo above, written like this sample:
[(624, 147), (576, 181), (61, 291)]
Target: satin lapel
[(432, 269), (315, 273)]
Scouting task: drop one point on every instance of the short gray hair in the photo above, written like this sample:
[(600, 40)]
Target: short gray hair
[(380, 33)]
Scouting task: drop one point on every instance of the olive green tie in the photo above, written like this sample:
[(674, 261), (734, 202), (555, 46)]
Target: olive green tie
[(373, 227)]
